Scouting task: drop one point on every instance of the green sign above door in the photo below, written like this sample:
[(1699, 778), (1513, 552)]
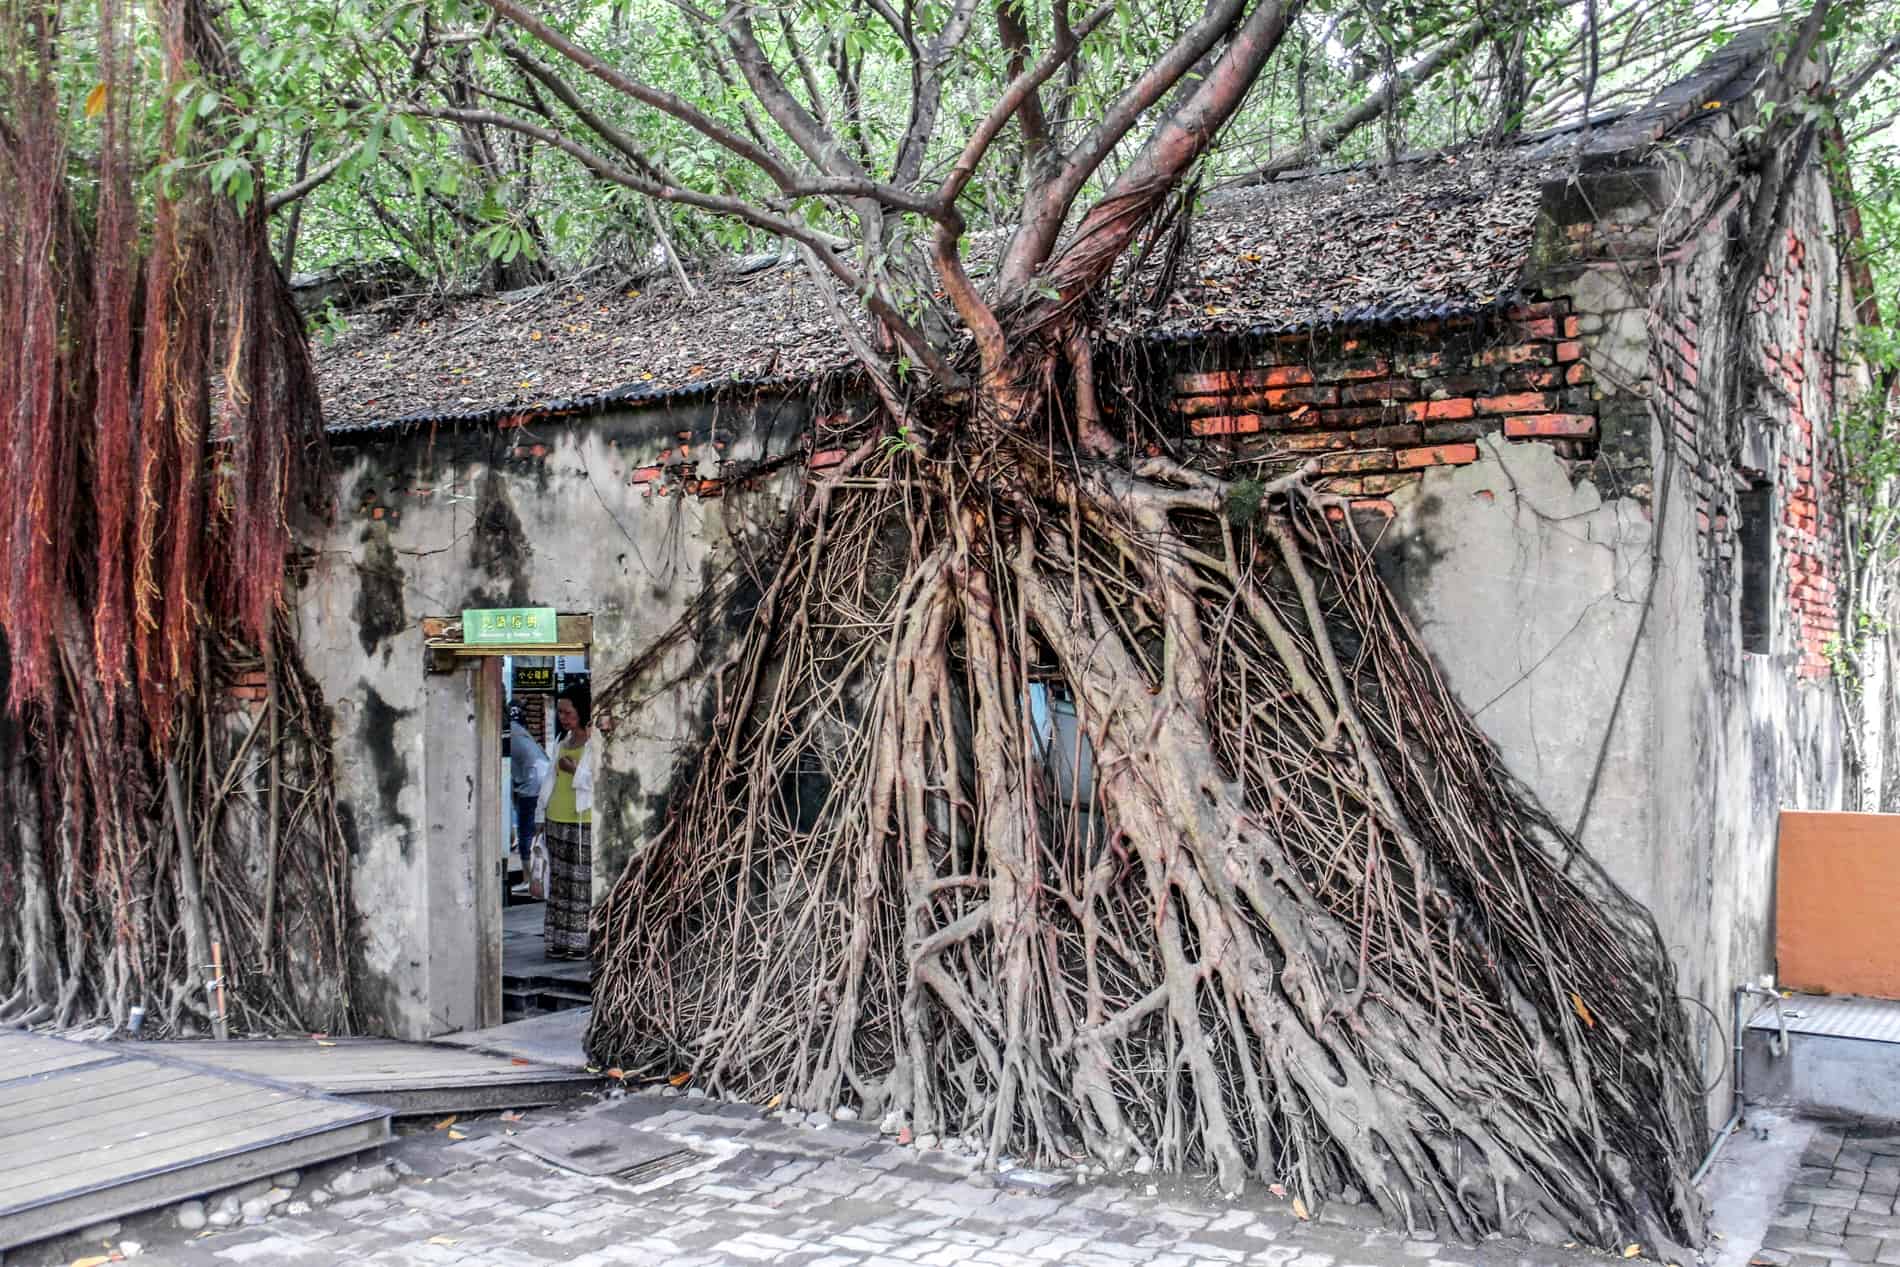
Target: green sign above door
[(508, 626)]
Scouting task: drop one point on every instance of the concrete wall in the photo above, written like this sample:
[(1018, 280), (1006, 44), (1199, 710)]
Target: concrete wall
[(572, 515)]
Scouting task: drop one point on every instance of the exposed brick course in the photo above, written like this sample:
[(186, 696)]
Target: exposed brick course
[(1377, 408)]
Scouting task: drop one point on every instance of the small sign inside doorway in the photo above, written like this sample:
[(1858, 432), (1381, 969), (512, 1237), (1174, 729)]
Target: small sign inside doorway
[(534, 677)]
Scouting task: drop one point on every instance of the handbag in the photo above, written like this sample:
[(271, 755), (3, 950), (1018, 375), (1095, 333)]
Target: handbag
[(538, 867)]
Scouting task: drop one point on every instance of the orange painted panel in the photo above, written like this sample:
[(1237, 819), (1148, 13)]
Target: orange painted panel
[(1837, 903)]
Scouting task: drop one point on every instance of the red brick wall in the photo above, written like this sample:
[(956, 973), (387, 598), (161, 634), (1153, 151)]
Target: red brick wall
[(1798, 376), (1376, 409)]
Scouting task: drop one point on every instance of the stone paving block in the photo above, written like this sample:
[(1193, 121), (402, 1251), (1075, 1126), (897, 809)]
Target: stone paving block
[(1861, 1249)]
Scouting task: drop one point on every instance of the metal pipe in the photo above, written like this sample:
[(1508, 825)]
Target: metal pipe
[(1735, 1068)]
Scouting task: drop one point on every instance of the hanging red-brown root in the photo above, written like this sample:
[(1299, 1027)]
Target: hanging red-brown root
[(1295, 923)]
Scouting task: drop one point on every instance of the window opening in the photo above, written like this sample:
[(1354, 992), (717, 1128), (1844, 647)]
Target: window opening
[(1757, 511)]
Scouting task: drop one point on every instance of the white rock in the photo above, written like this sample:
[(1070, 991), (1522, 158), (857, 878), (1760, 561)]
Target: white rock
[(926, 1141), (1153, 1190), (227, 1204), (277, 1196), (296, 1208), (257, 1209), (696, 1093), (1144, 1165), (131, 1249), (255, 1188), (845, 1113), (321, 1198), (289, 1179), (100, 1231), (893, 1122), (191, 1215), (221, 1217), (669, 1091), (817, 1121), (354, 1183)]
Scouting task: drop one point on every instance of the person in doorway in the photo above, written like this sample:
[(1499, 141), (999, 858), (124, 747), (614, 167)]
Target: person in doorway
[(527, 768), (565, 809)]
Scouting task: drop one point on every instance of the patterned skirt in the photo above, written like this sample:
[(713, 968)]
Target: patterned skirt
[(570, 888)]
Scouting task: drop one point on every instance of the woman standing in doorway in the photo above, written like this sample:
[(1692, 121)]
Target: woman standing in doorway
[(566, 809)]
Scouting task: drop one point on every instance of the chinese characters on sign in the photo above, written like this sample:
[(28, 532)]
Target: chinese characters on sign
[(508, 626)]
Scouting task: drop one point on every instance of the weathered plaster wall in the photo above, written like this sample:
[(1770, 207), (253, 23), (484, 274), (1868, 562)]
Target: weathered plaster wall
[(1541, 583), (572, 515)]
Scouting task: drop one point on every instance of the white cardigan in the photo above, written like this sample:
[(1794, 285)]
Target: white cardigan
[(583, 776)]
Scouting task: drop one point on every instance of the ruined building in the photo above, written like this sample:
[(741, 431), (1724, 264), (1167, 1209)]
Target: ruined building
[(1514, 362)]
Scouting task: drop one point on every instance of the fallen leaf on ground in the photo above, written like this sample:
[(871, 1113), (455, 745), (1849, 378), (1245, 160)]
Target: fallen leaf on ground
[(512, 1116), (93, 1260), (1299, 1209), (445, 1123), (441, 1240), (773, 1103), (457, 1135), (321, 1042), (1277, 1189), (679, 1079), (1631, 1251), (617, 1073)]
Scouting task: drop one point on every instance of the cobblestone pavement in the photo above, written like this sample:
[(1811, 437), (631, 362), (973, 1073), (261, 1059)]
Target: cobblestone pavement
[(1839, 1208), (756, 1191)]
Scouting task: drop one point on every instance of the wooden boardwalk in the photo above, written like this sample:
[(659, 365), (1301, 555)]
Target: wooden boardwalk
[(403, 1077), (91, 1132)]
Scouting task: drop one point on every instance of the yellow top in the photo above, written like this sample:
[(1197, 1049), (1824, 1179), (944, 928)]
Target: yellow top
[(561, 799)]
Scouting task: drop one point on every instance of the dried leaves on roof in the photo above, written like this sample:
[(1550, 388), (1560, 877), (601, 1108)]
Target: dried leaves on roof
[(1301, 252), (1357, 245), (557, 343)]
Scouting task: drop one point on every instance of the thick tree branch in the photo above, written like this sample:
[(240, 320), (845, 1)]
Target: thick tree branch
[(1045, 213), (1109, 226), (665, 102), (926, 95)]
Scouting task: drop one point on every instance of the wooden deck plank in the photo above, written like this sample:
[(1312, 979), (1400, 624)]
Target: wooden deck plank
[(22, 1225), (106, 1160), (117, 1132), (30, 1055), (368, 1064), (203, 1098), (60, 1092)]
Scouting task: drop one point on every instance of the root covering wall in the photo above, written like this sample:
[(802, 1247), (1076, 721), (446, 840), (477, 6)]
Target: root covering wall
[(1562, 495)]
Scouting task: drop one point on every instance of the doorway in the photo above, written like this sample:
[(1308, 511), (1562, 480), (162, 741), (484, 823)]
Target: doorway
[(485, 960), (532, 982)]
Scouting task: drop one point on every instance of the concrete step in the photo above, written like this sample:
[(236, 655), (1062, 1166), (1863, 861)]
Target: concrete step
[(1830, 1056)]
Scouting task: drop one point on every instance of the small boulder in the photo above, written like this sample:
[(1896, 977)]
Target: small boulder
[(130, 1249), (190, 1215), (289, 1179), (255, 1188), (845, 1113), (257, 1209), (926, 1141)]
